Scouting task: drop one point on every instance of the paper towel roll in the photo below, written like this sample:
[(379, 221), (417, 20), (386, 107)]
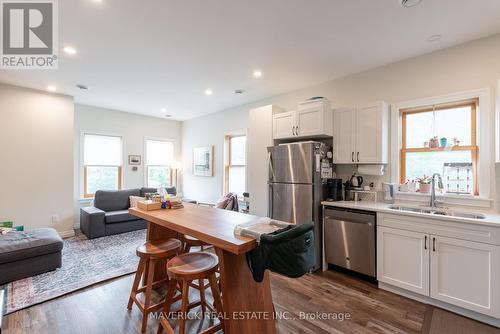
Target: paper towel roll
[(371, 170)]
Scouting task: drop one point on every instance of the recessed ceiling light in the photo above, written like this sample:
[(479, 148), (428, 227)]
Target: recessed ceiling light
[(208, 92), (51, 88), (239, 91), (409, 3), (434, 38), (257, 73), (163, 110), (70, 50), (96, 0)]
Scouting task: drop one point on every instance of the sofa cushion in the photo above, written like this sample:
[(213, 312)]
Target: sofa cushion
[(114, 200), (145, 190), (15, 246), (118, 217)]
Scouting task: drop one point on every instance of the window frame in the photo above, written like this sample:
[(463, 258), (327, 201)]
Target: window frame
[(170, 167), (473, 148), (83, 168), (227, 160), (486, 135)]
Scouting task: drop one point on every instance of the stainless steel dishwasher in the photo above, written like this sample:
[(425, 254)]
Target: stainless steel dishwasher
[(349, 237)]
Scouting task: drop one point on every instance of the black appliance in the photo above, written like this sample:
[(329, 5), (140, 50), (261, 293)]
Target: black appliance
[(334, 187)]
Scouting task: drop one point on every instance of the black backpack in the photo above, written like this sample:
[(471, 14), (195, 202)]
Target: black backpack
[(289, 252)]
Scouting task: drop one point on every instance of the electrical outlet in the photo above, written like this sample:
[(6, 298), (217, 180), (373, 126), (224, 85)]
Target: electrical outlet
[(55, 219)]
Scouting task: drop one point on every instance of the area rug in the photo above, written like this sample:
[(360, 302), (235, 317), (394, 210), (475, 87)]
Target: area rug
[(84, 262)]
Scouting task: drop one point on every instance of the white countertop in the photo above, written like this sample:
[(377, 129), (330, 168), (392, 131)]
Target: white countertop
[(491, 218)]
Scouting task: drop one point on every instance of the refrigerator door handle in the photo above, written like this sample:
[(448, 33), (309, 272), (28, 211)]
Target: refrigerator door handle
[(270, 203), (270, 163)]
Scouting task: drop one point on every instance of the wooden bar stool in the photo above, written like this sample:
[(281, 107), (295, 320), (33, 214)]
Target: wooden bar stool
[(190, 242), (184, 269), (151, 254)]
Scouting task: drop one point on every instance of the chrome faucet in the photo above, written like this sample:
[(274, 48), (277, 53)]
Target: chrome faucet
[(433, 189)]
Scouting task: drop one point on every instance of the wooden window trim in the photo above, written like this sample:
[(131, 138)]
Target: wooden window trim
[(473, 148), (227, 160), (88, 195)]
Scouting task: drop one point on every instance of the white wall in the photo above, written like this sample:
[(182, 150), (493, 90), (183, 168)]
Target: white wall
[(133, 129), (206, 131), (466, 67), (36, 167)]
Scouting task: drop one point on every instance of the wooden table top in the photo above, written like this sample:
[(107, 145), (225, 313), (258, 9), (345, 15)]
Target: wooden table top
[(211, 225)]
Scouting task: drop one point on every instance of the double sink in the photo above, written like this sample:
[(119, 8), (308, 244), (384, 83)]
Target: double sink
[(438, 212)]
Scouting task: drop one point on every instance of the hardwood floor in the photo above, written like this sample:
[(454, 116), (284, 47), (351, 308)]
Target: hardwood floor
[(102, 309)]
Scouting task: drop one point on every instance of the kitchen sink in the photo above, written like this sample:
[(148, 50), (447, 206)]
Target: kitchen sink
[(437, 211)]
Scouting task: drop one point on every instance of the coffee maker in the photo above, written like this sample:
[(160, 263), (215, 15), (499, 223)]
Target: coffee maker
[(334, 187)]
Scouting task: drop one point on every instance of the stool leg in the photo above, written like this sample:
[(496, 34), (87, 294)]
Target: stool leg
[(149, 288), (172, 286), (203, 302), (184, 307), (216, 294), (135, 286)]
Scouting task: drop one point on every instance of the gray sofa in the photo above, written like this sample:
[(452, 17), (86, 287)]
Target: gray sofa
[(25, 254), (109, 215)]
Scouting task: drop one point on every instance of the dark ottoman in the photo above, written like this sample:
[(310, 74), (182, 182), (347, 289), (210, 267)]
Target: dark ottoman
[(25, 254)]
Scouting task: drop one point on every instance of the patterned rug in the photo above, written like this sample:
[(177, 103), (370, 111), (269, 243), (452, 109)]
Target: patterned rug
[(85, 262)]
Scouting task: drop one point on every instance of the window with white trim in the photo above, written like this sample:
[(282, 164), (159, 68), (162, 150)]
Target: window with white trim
[(442, 139), (236, 165), (159, 160), (102, 163)]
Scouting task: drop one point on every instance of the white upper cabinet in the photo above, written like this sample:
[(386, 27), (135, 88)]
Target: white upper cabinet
[(361, 134), (312, 119), (344, 141), (284, 125)]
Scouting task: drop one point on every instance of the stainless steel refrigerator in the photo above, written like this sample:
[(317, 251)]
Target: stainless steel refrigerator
[(295, 186)]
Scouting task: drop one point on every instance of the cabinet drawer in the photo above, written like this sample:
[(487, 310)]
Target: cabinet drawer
[(445, 228)]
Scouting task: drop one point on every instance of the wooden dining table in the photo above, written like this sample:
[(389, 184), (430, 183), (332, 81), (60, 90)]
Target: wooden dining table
[(248, 305)]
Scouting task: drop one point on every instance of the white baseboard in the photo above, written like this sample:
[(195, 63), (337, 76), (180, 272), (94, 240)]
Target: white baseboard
[(428, 300), (67, 234)]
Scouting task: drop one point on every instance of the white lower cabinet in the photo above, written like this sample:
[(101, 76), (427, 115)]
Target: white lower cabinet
[(466, 274), (417, 255), (403, 259)]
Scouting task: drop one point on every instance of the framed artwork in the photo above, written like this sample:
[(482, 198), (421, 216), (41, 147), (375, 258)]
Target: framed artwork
[(134, 159), (203, 161)]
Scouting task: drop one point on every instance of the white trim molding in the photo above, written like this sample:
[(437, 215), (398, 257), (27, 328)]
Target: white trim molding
[(67, 234), (485, 139)]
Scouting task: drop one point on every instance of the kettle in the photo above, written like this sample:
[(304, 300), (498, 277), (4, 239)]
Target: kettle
[(356, 180)]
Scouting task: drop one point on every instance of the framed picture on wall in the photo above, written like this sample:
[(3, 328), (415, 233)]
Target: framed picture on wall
[(134, 159), (203, 161)]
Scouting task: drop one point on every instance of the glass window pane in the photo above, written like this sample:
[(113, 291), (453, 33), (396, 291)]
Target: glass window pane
[(101, 178), (238, 150), (159, 152), (158, 176), (449, 123), (419, 164), (237, 178), (101, 150)]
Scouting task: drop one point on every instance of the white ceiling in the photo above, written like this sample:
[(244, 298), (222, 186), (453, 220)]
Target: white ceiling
[(140, 56)]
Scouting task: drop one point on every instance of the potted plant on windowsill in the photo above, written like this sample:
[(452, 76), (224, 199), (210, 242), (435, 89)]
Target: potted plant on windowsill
[(424, 184), (434, 142)]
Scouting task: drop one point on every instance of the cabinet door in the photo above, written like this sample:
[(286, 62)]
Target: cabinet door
[(283, 124), (403, 259), (343, 136), (372, 134), (310, 122), (466, 274)]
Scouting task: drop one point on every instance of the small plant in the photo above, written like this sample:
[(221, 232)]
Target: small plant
[(424, 180), (434, 142), (443, 141)]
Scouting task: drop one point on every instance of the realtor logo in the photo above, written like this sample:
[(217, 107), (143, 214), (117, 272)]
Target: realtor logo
[(29, 34)]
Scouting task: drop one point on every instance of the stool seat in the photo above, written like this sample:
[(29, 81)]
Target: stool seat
[(159, 249), (191, 266)]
